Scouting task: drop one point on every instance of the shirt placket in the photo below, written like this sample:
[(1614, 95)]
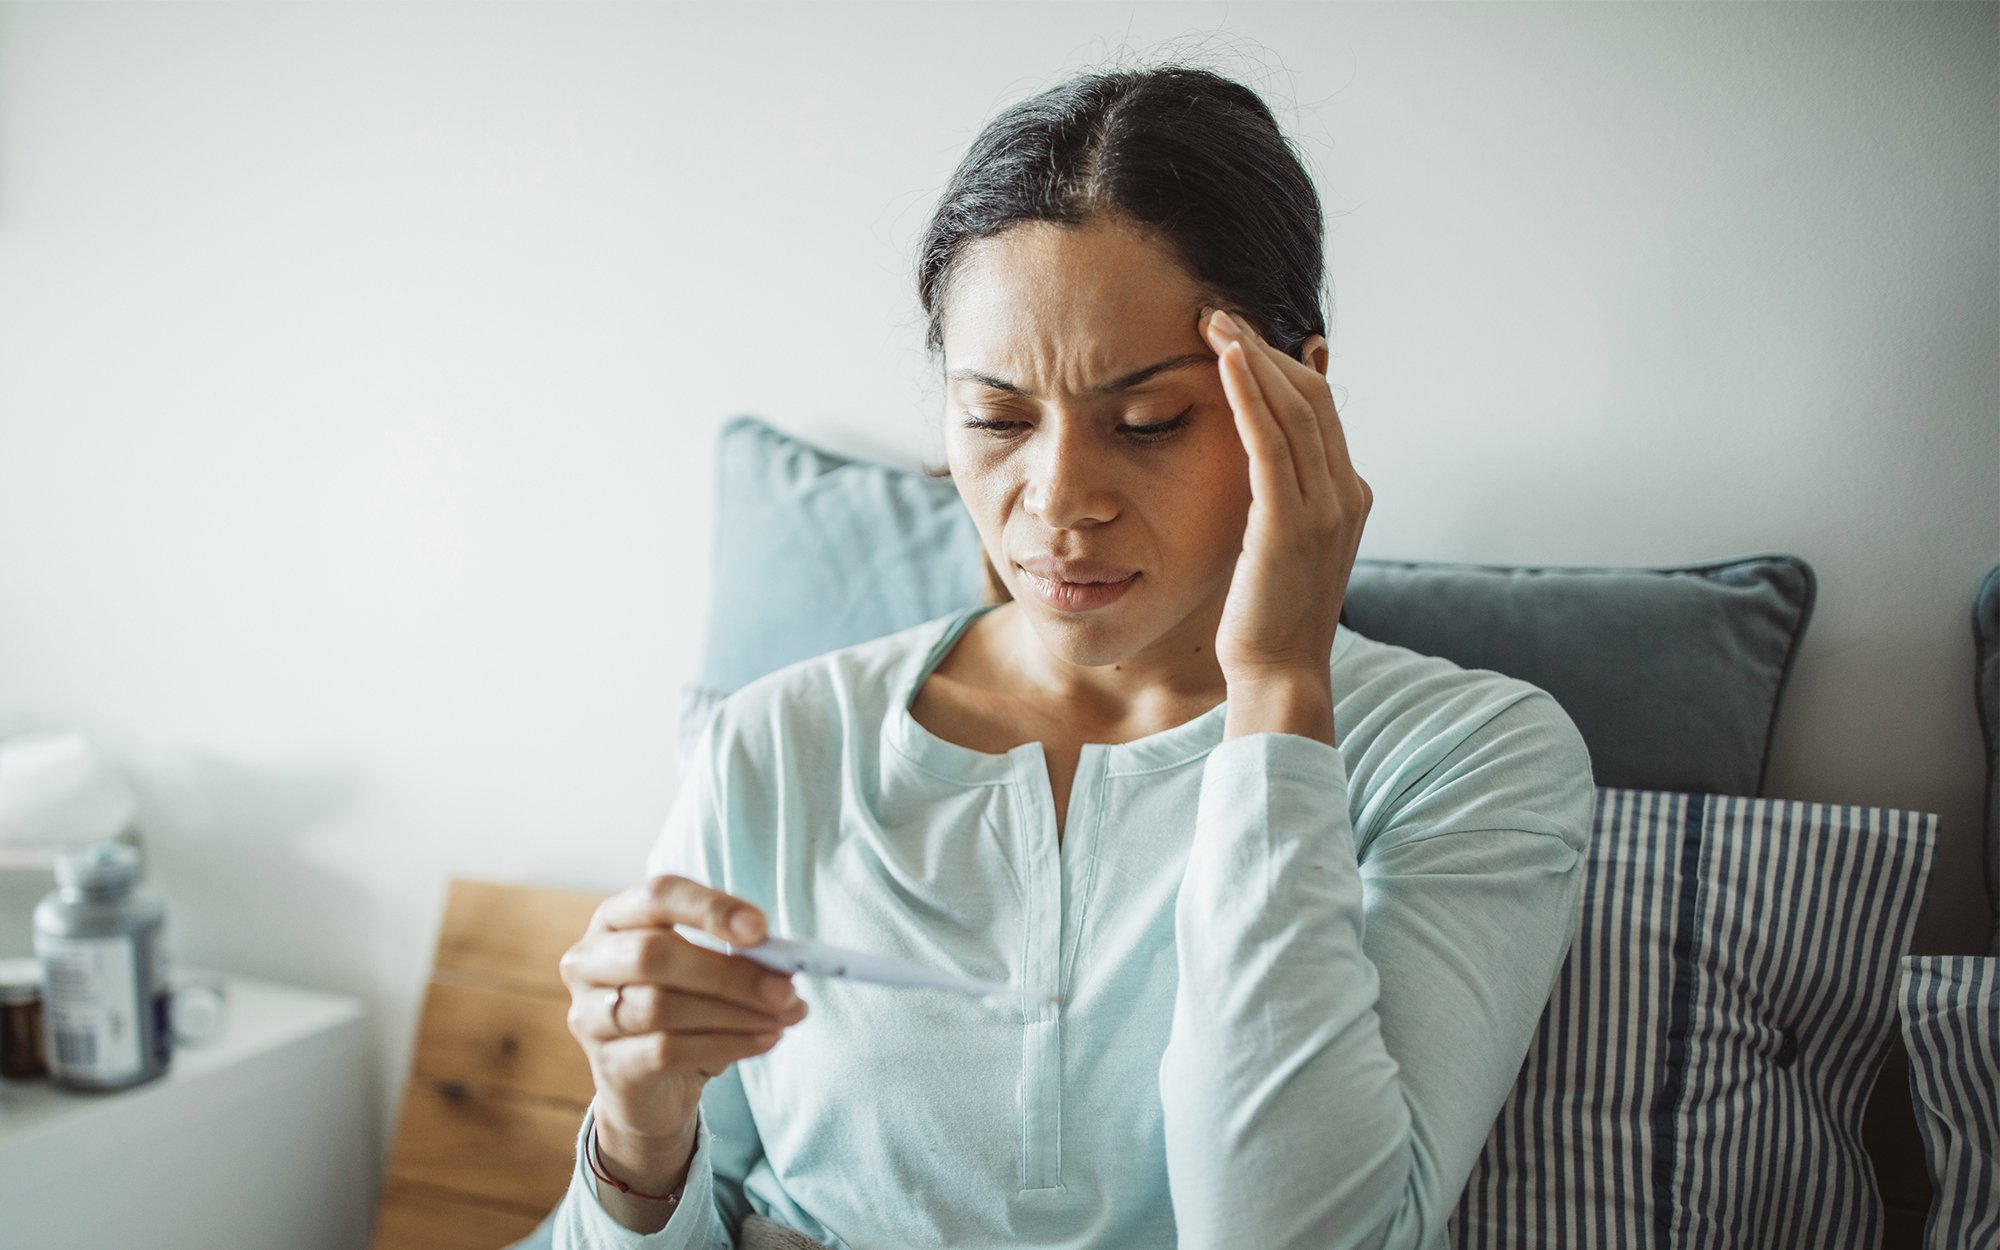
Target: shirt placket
[(1041, 968)]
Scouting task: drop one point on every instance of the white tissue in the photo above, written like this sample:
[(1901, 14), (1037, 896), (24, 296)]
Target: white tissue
[(56, 791)]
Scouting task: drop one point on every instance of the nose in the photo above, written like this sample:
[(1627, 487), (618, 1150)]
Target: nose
[(1069, 481)]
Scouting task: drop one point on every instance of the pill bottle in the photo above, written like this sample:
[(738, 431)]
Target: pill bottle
[(21, 1020), (105, 994)]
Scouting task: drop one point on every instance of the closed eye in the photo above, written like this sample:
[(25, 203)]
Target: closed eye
[(1160, 429), (1156, 432)]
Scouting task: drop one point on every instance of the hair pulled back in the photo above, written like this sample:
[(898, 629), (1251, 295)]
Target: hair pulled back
[(1191, 157)]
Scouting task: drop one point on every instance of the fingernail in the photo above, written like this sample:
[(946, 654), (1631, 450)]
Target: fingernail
[(1225, 323), (744, 925), (776, 990)]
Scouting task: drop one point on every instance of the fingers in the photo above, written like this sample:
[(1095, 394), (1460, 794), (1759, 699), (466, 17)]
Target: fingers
[(1297, 415), (668, 900), (1293, 395), (633, 1060), (658, 1009), (662, 957), (1333, 429), (1273, 479)]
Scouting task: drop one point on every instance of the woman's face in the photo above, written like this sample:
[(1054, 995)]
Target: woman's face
[(1113, 439)]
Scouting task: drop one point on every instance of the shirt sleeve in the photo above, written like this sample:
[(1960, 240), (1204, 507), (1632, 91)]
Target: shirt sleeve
[(582, 1223), (713, 1204), (1346, 1029)]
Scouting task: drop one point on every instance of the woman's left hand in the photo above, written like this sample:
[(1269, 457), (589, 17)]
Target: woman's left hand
[(1307, 510)]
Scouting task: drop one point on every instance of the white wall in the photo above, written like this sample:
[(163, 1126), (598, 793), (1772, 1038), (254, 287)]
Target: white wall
[(360, 365)]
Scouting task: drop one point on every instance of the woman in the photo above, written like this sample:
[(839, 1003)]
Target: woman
[(1303, 895)]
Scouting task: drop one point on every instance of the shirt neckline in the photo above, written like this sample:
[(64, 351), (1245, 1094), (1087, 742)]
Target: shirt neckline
[(1178, 744)]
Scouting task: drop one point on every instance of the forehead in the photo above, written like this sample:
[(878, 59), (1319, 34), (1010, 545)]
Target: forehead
[(1055, 307)]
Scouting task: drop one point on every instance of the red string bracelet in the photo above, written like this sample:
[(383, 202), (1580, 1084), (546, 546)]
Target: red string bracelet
[(596, 1165)]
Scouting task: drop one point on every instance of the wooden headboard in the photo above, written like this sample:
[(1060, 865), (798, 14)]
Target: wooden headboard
[(497, 1086)]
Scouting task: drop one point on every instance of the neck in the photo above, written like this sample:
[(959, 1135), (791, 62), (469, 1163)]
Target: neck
[(1172, 679)]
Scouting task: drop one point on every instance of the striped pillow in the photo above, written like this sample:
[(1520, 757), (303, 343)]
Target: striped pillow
[(1699, 1076), (1951, 1023)]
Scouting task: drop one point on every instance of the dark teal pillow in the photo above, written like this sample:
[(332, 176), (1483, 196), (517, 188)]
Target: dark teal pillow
[(1986, 696), (1673, 675)]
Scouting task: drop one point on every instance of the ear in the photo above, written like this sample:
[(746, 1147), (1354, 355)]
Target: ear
[(1314, 352)]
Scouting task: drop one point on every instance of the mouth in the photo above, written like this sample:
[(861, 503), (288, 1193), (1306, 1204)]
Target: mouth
[(1081, 596), (1078, 571)]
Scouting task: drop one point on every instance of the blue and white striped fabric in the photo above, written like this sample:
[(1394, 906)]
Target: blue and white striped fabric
[(1951, 1024), (1699, 1076)]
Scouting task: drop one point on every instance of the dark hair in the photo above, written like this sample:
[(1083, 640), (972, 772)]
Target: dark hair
[(1191, 158)]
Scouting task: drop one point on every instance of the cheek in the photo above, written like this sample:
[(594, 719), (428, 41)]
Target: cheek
[(982, 482), (1212, 473), (1208, 500)]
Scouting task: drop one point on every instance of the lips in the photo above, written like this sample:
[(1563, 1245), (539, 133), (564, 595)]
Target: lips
[(1077, 586), (1076, 572)]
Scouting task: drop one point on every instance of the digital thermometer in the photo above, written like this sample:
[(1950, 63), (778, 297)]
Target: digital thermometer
[(817, 959)]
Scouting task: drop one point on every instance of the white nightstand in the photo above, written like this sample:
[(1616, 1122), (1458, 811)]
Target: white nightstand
[(261, 1138)]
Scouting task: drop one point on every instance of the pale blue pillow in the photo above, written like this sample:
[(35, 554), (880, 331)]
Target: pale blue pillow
[(816, 551), (1673, 675)]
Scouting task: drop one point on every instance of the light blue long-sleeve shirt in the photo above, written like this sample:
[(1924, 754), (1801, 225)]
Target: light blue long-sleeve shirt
[(1297, 981)]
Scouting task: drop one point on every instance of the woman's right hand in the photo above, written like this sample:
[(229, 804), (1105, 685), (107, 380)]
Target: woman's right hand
[(686, 1012)]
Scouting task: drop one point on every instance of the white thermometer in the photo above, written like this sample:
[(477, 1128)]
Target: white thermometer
[(817, 959)]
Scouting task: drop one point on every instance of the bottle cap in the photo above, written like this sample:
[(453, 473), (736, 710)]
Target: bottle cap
[(98, 868), (198, 1012)]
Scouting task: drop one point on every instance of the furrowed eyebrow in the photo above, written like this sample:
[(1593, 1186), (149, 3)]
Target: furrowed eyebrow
[(1113, 387)]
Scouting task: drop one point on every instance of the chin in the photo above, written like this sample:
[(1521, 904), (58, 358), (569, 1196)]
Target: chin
[(1091, 639)]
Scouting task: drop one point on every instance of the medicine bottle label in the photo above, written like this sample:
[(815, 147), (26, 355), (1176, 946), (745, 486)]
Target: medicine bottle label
[(90, 1010)]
